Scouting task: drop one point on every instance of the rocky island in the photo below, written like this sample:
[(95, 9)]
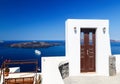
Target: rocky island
[(34, 45)]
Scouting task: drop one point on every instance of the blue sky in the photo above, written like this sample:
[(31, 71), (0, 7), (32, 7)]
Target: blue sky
[(45, 19)]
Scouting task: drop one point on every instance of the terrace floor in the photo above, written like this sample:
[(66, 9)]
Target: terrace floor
[(93, 80)]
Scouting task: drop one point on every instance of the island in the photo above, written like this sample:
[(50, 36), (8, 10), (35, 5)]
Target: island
[(114, 40), (33, 45)]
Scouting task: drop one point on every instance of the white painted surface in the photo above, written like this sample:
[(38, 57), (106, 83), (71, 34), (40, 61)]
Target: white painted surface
[(14, 69), (50, 71), (103, 50), (117, 63)]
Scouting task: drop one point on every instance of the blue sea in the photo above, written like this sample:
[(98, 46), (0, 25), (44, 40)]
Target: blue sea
[(7, 52)]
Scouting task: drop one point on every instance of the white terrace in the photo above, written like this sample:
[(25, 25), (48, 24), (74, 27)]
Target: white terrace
[(88, 56), (88, 52)]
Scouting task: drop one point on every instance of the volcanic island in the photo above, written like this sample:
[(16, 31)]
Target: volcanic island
[(33, 45)]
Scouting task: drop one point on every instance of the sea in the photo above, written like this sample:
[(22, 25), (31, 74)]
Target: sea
[(10, 53)]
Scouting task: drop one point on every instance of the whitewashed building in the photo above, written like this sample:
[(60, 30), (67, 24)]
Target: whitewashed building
[(88, 46), (88, 51)]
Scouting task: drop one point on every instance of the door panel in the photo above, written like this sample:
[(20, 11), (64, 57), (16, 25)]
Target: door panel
[(88, 50)]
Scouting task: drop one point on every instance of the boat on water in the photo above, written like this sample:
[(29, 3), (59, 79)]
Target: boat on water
[(16, 77), (37, 52)]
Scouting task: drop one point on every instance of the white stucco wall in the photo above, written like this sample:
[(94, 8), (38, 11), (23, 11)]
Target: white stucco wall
[(103, 50), (117, 57), (50, 70)]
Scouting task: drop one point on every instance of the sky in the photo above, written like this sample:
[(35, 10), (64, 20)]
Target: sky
[(45, 19)]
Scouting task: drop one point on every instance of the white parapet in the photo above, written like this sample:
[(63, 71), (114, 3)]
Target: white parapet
[(50, 70)]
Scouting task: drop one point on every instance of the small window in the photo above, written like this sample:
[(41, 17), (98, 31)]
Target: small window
[(82, 38), (90, 38)]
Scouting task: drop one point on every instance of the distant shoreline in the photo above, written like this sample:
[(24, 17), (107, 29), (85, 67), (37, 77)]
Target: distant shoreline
[(34, 44), (49, 40), (114, 40)]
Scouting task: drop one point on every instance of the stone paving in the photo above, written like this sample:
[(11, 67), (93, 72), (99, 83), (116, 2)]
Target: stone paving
[(93, 80)]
